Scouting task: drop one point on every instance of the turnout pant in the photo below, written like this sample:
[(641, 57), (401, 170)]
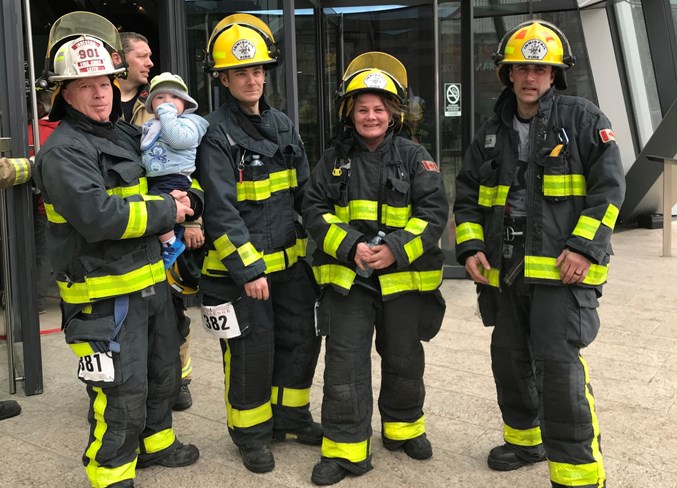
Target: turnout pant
[(269, 369), (133, 412), (542, 381), (347, 406)]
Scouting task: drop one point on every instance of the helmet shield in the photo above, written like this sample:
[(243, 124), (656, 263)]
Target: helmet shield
[(76, 24)]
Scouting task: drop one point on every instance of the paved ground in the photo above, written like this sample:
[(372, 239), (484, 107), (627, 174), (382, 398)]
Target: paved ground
[(633, 367)]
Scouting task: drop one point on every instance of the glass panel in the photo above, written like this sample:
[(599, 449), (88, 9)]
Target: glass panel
[(308, 82), (201, 17), (451, 91)]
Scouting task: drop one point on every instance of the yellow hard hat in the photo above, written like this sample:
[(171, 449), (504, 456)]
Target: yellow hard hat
[(534, 42), (371, 72), (239, 41)]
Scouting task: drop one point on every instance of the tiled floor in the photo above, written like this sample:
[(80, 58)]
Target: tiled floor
[(633, 366)]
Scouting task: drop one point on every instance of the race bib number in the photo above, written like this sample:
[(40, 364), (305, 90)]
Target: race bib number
[(221, 321), (97, 367)]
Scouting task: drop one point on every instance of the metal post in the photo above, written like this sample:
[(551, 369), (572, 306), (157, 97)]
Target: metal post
[(9, 318), (667, 208), (31, 75)]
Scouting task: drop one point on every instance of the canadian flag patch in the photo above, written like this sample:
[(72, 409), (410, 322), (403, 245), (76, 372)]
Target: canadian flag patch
[(430, 166), (607, 135)]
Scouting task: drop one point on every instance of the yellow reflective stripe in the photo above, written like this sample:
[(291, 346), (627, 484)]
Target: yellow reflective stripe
[(95, 288), (248, 253), (102, 476), (138, 220), (98, 409), (195, 184), (224, 247), (149, 198), (52, 215), (586, 227), (125, 191), (493, 195), (358, 210), (355, 452), (395, 216), (541, 267), (610, 216), (82, 349), (333, 239), (416, 226), (414, 249), (22, 171), (334, 274), (262, 190), (274, 261), (410, 281), (564, 185), (526, 438), (243, 419), (253, 190), (493, 275), (332, 219), (159, 441), (582, 474), (187, 368), (291, 397), (469, 231), (402, 431)]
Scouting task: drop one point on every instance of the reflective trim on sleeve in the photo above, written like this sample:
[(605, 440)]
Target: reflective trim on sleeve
[(333, 239), (543, 268), (570, 185), (224, 247), (402, 431), (525, 438), (194, 184), (490, 196), (392, 283), (414, 249), (586, 227), (610, 216), (355, 452), (22, 170), (276, 261), (159, 441), (290, 397), (138, 220), (248, 253), (52, 215), (468, 231), (416, 226), (95, 288), (125, 191), (334, 274)]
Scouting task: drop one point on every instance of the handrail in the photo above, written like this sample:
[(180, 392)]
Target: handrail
[(668, 163)]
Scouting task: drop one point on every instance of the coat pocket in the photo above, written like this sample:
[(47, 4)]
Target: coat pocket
[(432, 316)]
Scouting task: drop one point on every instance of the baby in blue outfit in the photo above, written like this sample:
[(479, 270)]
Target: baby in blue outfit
[(169, 144)]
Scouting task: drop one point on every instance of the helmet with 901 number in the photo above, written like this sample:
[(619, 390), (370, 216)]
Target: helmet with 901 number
[(534, 42)]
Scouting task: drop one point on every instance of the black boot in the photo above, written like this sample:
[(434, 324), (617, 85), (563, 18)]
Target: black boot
[(9, 408), (310, 434), (418, 448), (181, 455), (508, 457), (328, 472), (257, 459), (184, 400)]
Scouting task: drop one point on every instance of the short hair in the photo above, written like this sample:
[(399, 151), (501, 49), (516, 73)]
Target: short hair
[(391, 103), (127, 37)]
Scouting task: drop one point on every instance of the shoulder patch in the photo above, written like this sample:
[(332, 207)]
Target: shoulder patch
[(490, 140), (607, 135), (430, 166)]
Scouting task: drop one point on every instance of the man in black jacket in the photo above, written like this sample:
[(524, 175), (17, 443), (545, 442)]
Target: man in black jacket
[(537, 201)]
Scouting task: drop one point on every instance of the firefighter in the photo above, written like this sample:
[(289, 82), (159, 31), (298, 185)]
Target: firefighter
[(253, 168), (115, 301), (537, 200), (376, 207)]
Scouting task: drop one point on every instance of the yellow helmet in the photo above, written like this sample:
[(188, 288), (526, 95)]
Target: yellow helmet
[(371, 72), (239, 41), (534, 42)]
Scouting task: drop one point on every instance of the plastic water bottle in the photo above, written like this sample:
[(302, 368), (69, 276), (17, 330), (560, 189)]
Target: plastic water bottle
[(378, 239)]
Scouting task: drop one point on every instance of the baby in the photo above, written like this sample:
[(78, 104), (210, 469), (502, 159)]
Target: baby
[(169, 143)]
